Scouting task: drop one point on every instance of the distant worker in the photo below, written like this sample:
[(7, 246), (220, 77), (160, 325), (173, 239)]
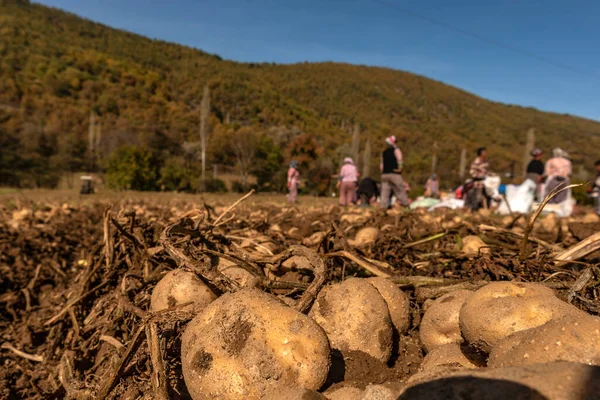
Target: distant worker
[(558, 170), (535, 171), (348, 182), (535, 168), (391, 175), (432, 187), (367, 192), (293, 181), (476, 194), (595, 190)]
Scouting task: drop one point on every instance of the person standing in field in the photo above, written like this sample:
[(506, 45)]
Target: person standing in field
[(391, 175), (535, 170), (557, 172), (348, 181), (594, 191), (293, 181), (476, 196), (432, 187)]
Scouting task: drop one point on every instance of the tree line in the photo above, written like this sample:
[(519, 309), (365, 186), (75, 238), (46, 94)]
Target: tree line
[(77, 96)]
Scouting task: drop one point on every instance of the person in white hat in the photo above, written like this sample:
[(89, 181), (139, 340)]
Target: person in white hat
[(391, 175), (348, 181)]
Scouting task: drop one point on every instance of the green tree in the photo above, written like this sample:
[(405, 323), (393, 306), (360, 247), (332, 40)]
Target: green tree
[(132, 168), (269, 161)]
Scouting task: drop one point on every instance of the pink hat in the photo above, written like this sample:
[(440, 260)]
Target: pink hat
[(348, 160), (391, 140)]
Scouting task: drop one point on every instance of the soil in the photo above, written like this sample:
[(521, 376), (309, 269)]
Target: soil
[(76, 279)]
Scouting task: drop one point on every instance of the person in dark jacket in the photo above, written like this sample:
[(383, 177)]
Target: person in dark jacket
[(367, 191), (535, 168), (391, 175)]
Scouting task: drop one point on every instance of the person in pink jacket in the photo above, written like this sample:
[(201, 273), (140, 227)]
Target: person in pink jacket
[(348, 181), (293, 181)]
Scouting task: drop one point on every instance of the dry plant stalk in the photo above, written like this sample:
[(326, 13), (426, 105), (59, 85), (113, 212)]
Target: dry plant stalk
[(529, 228), (580, 250), (159, 376)]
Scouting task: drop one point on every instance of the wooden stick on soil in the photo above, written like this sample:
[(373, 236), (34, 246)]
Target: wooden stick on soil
[(580, 250), (109, 250), (372, 268), (319, 269), (580, 283), (529, 228), (159, 376), (30, 357), (489, 228), (427, 239), (71, 303), (118, 370), (231, 207)]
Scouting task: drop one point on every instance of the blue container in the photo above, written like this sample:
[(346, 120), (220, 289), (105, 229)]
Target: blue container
[(502, 189)]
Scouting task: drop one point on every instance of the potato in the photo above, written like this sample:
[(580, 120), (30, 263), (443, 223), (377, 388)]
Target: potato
[(293, 393), (345, 393), (447, 355), (247, 343), (353, 219), (500, 309), (314, 239), (371, 392), (552, 381), (355, 317), (473, 245), (397, 302), (566, 339), (590, 218), (439, 325), (365, 236), (237, 274), (549, 223), (180, 287)]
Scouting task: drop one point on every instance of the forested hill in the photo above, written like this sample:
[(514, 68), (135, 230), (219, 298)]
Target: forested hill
[(57, 69)]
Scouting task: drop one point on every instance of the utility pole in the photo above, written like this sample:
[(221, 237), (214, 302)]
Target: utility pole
[(463, 164), (366, 172), (204, 112), (91, 140), (528, 147), (355, 143)]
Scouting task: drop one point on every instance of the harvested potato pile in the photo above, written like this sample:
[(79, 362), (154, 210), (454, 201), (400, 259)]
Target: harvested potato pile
[(355, 317), (440, 322), (247, 343), (500, 309), (180, 287), (84, 313), (574, 339)]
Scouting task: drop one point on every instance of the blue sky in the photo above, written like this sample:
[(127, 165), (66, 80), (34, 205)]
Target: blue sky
[(540, 53)]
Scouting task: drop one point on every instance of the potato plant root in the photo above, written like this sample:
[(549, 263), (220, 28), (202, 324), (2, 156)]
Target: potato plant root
[(77, 278)]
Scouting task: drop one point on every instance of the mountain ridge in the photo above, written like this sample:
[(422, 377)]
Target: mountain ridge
[(57, 67)]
